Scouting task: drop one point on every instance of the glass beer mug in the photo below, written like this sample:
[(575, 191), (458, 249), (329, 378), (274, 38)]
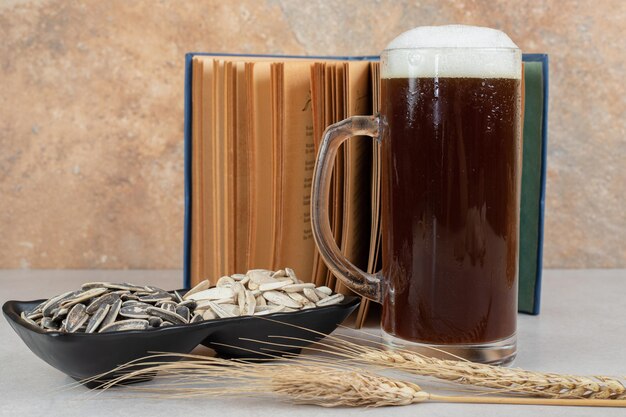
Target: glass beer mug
[(449, 132)]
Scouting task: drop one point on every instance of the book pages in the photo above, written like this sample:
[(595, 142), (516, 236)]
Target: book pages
[(256, 129)]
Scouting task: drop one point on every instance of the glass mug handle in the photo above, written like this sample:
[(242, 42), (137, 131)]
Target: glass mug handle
[(367, 285)]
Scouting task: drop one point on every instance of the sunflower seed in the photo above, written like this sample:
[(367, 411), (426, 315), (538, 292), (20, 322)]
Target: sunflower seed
[(109, 298), (320, 294), (260, 276), (97, 318), (268, 286), (291, 274), (154, 297), (281, 299), (129, 297), (190, 304), (48, 323), (297, 287), (166, 315), (229, 300), (270, 310), (203, 304), (168, 305), (260, 301), (123, 286), (240, 295), (59, 313), (333, 299), (280, 273), (151, 288), (209, 315), (201, 286), (225, 281), (132, 324), (219, 310), (214, 293), (54, 302), (197, 318), (310, 294), (83, 296), (35, 315), (90, 285), (112, 314), (136, 311), (76, 318), (26, 319), (250, 304), (155, 321), (298, 297), (324, 290), (231, 308), (183, 312)]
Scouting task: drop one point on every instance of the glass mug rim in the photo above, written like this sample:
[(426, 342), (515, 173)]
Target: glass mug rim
[(452, 48)]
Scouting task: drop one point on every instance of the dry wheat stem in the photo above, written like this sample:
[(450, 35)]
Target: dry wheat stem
[(308, 375), (549, 385), (511, 380), (305, 382), (496, 379)]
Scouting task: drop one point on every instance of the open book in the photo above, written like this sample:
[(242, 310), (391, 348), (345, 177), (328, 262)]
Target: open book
[(253, 125)]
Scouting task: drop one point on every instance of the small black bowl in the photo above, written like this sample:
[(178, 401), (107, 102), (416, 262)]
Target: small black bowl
[(85, 355)]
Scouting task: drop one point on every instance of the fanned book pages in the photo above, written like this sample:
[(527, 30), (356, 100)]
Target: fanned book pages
[(253, 125)]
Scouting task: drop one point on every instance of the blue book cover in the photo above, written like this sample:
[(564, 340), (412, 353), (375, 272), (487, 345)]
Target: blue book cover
[(533, 171)]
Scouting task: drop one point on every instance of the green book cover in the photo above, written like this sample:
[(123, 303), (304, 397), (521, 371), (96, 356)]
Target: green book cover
[(531, 210)]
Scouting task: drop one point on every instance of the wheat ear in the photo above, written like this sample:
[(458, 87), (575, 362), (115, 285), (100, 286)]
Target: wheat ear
[(304, 382), (509, 380)]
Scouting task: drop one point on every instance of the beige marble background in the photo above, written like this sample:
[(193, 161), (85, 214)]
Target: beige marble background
[(91, 114)]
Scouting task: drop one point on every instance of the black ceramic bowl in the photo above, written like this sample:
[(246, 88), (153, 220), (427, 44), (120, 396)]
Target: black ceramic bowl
[(82, 355)]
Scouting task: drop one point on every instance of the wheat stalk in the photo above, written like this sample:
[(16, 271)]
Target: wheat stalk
[(509, 380), (310, 379), (515, 380), (304, 381)]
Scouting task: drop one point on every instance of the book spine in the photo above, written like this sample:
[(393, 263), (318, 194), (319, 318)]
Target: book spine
[(187, 173)]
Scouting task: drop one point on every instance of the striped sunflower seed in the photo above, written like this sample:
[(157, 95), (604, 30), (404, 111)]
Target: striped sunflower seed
[(125, 325), (76, 318), (98, 317), (166, 315)]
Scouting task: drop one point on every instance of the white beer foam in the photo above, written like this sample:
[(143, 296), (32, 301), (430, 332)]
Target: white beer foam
[(452, 51)]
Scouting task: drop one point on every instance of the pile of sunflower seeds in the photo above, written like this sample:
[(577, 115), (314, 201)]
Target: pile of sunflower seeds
[(100, 307), (257, 293)]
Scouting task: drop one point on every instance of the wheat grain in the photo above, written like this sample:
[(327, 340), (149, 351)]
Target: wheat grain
[(501, 379), (509, 380), (305, 381)]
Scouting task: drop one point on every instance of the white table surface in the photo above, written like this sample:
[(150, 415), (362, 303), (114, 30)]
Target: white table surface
[(581, 330)]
